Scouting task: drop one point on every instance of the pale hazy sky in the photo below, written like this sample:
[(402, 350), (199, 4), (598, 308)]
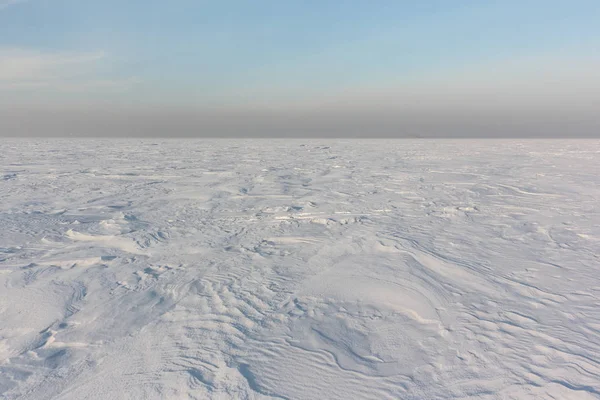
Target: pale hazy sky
[(300, 68)]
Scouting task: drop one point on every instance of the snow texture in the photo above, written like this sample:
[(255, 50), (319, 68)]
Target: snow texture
[(294, 269)]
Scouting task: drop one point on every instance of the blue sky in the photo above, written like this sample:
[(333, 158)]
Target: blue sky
[(278, 53), (198, 49)]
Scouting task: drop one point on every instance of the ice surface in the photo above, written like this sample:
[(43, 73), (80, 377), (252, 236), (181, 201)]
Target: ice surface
[(299, 269)]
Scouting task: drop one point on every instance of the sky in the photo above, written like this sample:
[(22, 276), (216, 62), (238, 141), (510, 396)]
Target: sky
[(388, 68)]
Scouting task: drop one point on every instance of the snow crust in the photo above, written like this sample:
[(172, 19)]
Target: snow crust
[(347, 269)]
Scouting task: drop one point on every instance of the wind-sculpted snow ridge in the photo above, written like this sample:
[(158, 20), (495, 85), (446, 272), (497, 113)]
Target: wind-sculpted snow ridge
[(299, 269)]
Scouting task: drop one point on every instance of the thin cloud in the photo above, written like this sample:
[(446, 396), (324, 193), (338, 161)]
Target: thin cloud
[(23, 70), (103, 85), (24, 66), (7, 3)]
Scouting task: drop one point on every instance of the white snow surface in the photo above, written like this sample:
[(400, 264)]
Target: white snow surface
[(289, 269)]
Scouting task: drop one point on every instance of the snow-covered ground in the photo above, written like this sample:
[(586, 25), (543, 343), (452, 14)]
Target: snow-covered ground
[(299, 269)]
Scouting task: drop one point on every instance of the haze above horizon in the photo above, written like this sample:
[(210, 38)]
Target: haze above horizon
[(301, 68)]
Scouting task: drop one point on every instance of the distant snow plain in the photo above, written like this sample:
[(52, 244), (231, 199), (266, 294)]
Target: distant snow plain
[(289, 269)]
